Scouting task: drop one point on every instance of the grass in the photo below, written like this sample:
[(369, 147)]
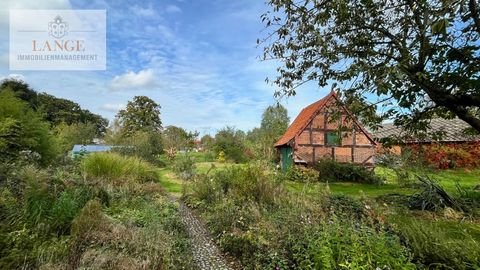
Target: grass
[(204, 167), (447, 179), (351, 189), (465, 178), (115, 167), (169, 181), (174, 185)]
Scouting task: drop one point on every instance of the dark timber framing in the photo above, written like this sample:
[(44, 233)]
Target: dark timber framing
[(305, 134)]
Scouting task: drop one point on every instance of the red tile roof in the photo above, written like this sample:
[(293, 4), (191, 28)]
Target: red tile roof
[(303, 119), (307, 114)]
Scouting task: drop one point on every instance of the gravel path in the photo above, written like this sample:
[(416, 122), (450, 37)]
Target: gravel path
[(205, 252)]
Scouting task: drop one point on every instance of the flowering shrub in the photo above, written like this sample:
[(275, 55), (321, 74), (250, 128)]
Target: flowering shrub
[(448, 156)]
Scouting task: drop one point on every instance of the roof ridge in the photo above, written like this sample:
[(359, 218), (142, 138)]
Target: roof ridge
[(303, 118)]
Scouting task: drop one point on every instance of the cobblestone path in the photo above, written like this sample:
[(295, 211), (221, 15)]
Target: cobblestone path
[(205, 252)]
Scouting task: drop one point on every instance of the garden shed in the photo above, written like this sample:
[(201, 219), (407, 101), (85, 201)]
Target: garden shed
[(80, 149), (326, 129)]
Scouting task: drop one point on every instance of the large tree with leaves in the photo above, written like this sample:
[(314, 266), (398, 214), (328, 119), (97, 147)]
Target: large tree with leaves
[(141, 114), (179, 138), (421, 58), (274, 123), (55, 110)]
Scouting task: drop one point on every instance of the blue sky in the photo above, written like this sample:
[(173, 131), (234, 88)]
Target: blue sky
[(197, 59)]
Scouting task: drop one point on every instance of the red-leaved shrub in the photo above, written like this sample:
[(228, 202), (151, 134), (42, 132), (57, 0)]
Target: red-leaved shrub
[(448, 155)]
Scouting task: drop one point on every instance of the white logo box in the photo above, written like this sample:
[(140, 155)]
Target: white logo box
[(62, 39)]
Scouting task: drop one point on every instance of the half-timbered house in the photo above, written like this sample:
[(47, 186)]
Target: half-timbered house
[(326, 129)]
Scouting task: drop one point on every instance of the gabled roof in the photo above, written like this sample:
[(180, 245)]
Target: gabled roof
[(307, 114), (452, 129), (302, 120)]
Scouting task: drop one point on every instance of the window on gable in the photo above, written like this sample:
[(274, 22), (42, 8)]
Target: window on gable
[(333, 138)]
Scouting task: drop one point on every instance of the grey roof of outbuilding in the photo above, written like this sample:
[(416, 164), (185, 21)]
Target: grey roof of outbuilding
[(453, 130)]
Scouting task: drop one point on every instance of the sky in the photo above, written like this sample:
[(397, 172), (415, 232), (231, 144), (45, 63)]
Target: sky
[(198, 59)]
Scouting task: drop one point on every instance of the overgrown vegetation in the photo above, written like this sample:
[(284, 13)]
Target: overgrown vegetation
[(332, 171), (113, 167), (266, 227), (114, 217)]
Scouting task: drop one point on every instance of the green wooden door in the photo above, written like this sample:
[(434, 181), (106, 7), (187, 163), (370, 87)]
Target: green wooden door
[(286, 157)]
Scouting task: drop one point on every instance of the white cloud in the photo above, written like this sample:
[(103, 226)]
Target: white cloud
[(18, 77), (109, 107), (143, 79), (173, 9), (143, 11)]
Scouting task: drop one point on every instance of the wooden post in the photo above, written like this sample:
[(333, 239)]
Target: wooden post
[(354, 143)]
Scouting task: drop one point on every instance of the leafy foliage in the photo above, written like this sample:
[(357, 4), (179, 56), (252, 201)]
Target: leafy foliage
[(255, 220), (232, 143), (179, 138), (184, 166), (141, 114), (78, 133), (54, 110), (406, 52), (22, 129), (274, 123), (301, 174), (207, 142), (332, 171), (448, 156), (59, 110), (147, 145)]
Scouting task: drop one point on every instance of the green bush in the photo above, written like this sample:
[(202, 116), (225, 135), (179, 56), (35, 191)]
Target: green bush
[(37, 212), (332, 171), (117, 168), (23, 131), (145, 145), (344, 245), (301, 174), (184, 166), (440, 245), (249, 183)]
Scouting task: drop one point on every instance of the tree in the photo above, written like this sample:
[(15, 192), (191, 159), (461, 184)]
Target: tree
[(179, 138), (421, 58), (59, 110), (147, 145), (22, 130), (77, 133), (22, 90), (54, 110), (274, 123), (232, 143), (207, 142), (141, 114)]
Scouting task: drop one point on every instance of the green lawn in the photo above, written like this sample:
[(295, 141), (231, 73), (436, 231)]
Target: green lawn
[(446, 178), (465, 178), (351, 189), (169, 181)]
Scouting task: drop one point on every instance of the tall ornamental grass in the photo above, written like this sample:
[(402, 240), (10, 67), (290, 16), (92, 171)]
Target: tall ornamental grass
[(117, 168)]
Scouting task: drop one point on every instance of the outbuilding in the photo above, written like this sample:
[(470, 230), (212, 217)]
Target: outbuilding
[(326, 129)]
